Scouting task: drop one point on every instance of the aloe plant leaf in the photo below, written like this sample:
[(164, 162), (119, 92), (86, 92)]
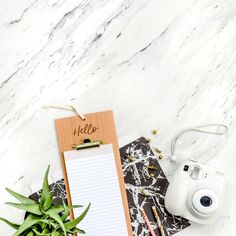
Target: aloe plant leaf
[(60, 208), (64, 206), (45, 231), (29, 222), (46, 191), (80, 231), (67, 210), (49, 222), (20, 197), (74, 206), (55, 233), (31, 208), (40, 234), (30, 233), (32, 220), (72, 224), (65, 216), (76, 230), (47, 204), (13, 225), (57, 218), (44, 218)]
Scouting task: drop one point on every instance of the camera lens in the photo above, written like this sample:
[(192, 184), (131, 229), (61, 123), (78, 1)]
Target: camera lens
[(206, 201)]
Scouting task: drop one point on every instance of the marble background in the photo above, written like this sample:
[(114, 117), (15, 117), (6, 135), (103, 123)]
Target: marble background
[(157, 64)]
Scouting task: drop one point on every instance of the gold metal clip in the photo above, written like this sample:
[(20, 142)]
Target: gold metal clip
[(87, 143)]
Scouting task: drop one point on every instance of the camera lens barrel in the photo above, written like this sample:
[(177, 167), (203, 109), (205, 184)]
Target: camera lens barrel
[(205, 202)]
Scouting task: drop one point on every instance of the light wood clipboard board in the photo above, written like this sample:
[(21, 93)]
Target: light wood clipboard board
[(104, 129)]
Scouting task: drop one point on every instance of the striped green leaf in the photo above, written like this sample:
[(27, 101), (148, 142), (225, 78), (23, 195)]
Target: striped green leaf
[(57, 218), (27, 224), (46, 191), (37, 233), (72, 224), (20, 197), (31, 208), (31, 233), (13, 225)]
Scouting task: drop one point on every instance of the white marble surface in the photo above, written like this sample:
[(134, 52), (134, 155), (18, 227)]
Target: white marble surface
[(157, 64)]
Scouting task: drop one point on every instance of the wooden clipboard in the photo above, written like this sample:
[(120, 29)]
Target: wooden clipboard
[(96, 126)]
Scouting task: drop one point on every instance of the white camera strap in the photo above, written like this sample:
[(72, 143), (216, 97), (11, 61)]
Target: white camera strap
[(201, 129)]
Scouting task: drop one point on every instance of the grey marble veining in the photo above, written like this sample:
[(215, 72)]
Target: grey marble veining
[(157, 64)]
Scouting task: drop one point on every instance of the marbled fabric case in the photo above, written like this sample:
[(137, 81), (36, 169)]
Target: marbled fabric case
[(146, 185), (136, 157)]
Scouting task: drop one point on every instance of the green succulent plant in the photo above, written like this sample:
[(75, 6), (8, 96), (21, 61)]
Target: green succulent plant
[(44, 218)]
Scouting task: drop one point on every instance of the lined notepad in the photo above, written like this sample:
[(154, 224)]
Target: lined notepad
[(92, 176)]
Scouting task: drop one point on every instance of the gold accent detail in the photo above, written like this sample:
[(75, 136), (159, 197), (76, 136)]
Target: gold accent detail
[(158, 221), (87, 143), (148, 140), (154, 132)]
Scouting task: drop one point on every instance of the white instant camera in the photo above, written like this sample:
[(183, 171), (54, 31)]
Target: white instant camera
[(196, 192)]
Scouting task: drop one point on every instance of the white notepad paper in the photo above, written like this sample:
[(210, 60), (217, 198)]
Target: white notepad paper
[(92, 177)]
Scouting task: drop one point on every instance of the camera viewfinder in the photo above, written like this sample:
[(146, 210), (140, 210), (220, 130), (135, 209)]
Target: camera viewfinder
[(186, 167)]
